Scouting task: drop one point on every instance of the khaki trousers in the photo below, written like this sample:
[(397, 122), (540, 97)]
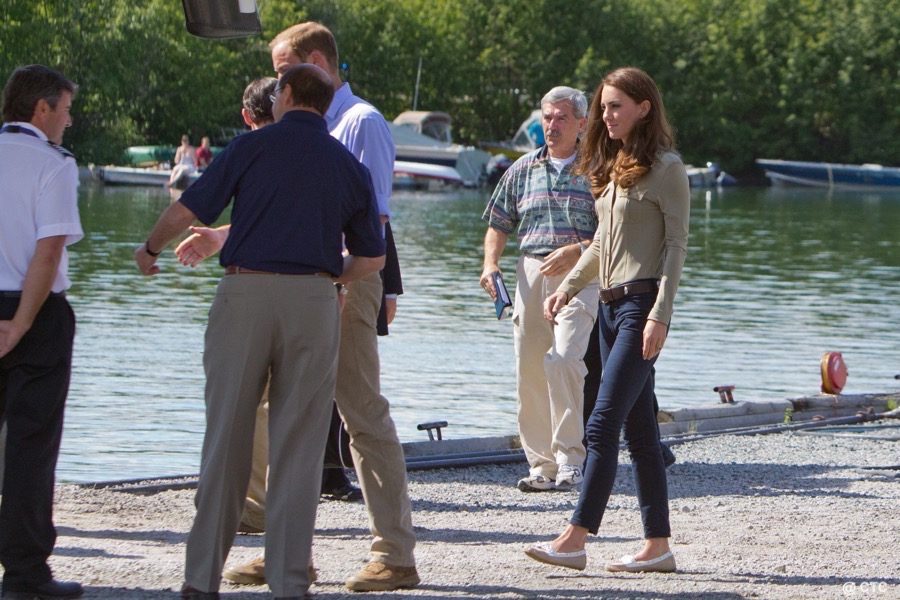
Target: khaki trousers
[(255, 507), (550, 368), (260, 324), (377, 453)]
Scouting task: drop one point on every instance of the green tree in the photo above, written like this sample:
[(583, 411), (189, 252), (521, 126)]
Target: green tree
[(804, 79)]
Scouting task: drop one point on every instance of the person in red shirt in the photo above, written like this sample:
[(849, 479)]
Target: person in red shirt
[(203, 156)]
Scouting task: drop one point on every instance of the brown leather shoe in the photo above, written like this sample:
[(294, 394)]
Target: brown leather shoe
[(344, 493), (189, 593), (379, 577), (250, 573), (254, 573), (246, 528)]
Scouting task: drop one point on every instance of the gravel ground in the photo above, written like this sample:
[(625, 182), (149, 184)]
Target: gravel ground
[(789, 515)]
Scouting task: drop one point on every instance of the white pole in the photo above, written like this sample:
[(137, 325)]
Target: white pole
[(418, 77)]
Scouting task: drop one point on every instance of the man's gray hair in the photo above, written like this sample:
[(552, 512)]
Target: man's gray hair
[(564, 93)]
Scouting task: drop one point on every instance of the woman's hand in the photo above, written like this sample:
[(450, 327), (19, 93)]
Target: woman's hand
[(654, 338), (553, 304), (561, 260)]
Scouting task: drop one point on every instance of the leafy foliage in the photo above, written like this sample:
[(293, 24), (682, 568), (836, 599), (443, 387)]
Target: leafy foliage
[(797, 79)]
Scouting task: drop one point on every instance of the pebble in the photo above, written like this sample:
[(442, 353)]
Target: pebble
[(817, 522)]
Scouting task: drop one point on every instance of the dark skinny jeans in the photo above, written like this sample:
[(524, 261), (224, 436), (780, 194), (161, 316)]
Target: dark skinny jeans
[(625, 399)]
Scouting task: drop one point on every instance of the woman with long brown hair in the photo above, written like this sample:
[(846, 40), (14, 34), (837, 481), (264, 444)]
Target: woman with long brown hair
[(643, 204)]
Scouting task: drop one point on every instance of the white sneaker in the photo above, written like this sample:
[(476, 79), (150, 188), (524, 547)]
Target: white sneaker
[(535, 483), (568, 477)]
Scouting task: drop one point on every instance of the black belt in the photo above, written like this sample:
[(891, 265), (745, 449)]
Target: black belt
[(19, 294), (640, 286)]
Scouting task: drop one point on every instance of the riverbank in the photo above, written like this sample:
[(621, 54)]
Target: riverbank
[(790, 515)]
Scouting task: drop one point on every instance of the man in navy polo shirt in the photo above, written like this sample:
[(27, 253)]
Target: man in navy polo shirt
[(296, 191)]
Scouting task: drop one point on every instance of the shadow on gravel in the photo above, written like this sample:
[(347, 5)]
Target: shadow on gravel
[(91, 553), (525, 503), (162, 535), (429, 592), (559, 592), (347, 533), (479, 537), (871, 583), (91, 591), (687, 480)]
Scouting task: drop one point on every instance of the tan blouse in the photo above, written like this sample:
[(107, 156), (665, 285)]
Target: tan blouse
[(642, 234)]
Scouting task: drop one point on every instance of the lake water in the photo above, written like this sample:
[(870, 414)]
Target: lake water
[(773, 279)]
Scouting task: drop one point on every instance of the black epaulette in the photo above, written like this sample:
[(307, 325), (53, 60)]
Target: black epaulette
[(61, 150), (17, 129)]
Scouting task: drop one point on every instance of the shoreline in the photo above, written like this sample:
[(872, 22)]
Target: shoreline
[(676, 427), (796, 514)]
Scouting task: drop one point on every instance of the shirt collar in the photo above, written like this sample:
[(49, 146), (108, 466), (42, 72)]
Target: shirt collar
[(544, 153), (304, 116), (30, 127), (341, 95)]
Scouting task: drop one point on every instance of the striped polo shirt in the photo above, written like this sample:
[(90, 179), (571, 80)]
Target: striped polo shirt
[(545, 208)]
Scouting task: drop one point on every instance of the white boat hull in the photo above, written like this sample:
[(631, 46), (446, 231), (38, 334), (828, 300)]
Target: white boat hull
[(113, 175), (412, 147), (418, 175)]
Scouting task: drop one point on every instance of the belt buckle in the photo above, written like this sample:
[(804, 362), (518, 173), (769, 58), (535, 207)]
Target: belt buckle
[(625, 291)]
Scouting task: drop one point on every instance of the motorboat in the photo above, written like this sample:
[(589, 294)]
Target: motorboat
[(529, 136), (434, 124), (709, 176), (425, 176), (407, 175), (425, 137), (146, 176), (865, 177)]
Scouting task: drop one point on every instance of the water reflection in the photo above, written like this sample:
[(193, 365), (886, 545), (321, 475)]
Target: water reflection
[(774, 278)]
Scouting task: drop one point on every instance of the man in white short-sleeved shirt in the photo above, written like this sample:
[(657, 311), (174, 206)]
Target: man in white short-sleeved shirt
[(38, 196)]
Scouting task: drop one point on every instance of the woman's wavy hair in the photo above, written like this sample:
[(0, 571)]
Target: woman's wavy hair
[(603, 159)]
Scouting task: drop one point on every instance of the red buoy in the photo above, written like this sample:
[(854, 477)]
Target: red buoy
[(834, 373)]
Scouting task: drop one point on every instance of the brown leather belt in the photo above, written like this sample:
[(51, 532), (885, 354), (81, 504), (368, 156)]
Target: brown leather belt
[(18, 294), (641, 286), (235, 270)]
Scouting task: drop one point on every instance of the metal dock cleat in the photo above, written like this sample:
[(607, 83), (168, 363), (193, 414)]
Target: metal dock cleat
[(725, 396), (432, 425)]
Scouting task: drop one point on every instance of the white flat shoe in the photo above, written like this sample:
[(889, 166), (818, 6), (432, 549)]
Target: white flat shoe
[(664, 563), (544, 552)]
